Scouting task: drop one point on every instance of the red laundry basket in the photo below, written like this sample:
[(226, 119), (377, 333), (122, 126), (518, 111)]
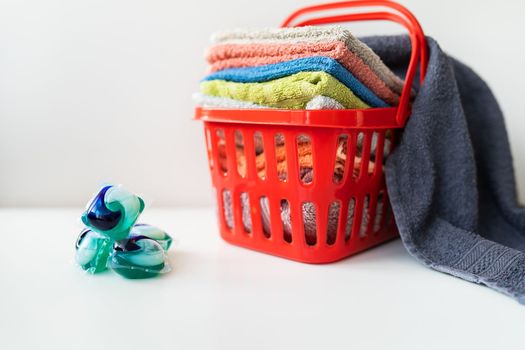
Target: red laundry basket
[(309, 185)]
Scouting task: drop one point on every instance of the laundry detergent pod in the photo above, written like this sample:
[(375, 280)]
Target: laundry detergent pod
[(138, 257), (92, 251), (152, 232), (113, 239)]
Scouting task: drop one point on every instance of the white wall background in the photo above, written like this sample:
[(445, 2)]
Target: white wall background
[(97, 91)]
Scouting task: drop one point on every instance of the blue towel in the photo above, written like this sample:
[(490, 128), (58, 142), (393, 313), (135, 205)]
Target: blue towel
[(307, 64)]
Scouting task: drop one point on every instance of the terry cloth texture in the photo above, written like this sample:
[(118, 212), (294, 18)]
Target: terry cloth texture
[(307, 64), (451, 179), (292, 92), (313, 34), (318, 102), (226, 56)]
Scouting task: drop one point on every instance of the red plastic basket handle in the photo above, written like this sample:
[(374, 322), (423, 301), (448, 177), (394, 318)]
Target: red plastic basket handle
[(401, 16)]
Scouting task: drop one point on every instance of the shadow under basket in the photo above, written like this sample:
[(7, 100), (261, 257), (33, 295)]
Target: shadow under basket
[(309, 185)]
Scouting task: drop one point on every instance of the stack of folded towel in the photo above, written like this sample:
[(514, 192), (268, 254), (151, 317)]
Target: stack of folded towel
[(295, 68)]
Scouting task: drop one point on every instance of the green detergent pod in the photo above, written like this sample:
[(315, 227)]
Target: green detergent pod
[(112, 238), (92, 251), (137, 257), (152, 232)]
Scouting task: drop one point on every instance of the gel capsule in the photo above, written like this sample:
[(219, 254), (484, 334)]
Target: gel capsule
[(152, 232), (92, 251), (137, 257)]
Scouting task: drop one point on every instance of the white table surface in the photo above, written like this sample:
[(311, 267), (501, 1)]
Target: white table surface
[(222, 297)]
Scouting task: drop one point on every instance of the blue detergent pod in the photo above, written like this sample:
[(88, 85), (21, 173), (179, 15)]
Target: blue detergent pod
[(152, 232), (138, 257), (92, 251), (113, 212)]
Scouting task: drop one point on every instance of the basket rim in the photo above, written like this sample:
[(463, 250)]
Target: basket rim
[(371, 118)]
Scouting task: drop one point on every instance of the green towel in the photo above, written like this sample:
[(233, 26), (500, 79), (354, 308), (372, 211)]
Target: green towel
[(291, 92)]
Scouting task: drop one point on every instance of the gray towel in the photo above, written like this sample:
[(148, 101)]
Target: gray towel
[(451, 178)]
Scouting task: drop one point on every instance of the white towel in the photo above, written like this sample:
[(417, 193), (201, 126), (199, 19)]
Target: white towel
[(318, 102)]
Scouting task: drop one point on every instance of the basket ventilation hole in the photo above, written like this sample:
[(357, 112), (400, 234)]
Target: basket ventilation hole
[(260, 160), (340, 158), (305, 159), (333, 221), (389, 144), (364, 216), (373, 153), (265, 216), (280, 157), (246, 215), (379, 211), (310, 223), (208, 148), (358, 156), (349, 219), (228, 209), (221, 148), (286, 221), (239, 153)]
